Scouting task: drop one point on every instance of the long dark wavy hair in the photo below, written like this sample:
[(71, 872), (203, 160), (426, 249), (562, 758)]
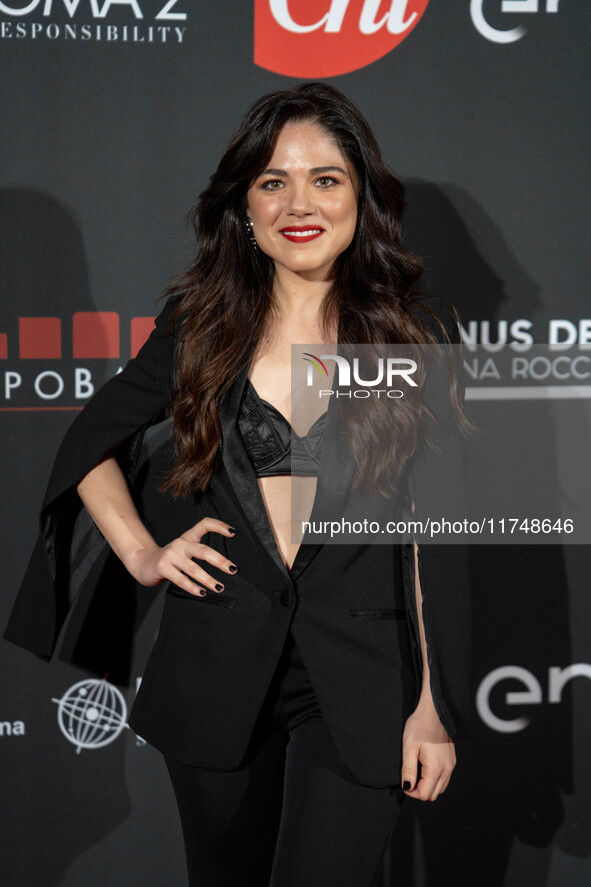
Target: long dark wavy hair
[(227, 292)]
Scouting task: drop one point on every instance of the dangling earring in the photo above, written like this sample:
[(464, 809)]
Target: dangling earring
[(250, 232)]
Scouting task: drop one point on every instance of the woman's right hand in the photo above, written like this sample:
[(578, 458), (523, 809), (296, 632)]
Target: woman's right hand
[(107, 499), (176, 561)]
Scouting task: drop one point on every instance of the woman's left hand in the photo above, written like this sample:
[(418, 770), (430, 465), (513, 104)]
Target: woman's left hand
[(425, 740)]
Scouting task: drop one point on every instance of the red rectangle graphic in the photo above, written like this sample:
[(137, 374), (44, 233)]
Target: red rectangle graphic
[(141, 327), (95, 334), (40, 338)]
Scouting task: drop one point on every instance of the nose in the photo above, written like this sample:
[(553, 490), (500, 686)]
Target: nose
[(301, 202)]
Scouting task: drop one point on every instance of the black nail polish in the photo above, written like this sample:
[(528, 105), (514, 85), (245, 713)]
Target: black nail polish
[(406, 785), (219, 587), (233, 568), (203, 592), (232, 530)]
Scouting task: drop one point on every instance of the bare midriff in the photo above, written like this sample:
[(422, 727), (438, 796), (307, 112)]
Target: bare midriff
[(288, 501), (281, 498)]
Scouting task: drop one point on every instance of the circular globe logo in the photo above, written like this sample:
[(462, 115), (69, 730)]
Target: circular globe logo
[(91, 714)]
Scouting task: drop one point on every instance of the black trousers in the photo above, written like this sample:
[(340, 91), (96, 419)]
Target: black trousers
[(292, 815)]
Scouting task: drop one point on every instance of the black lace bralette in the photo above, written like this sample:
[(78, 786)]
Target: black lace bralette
[(272, 445)]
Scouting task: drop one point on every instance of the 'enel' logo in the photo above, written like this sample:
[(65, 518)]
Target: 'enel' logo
[(308, 38), (531, 692), (508, 35)]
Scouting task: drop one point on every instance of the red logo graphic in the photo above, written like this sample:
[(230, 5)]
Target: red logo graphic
[(324, 38), (95, 334)]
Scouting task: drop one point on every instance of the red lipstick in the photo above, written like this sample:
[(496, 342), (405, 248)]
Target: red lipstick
[(301, 234)]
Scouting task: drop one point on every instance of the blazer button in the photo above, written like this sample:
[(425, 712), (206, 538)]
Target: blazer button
[(286, 597)]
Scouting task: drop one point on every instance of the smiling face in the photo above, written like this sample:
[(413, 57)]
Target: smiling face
[(303, 206)]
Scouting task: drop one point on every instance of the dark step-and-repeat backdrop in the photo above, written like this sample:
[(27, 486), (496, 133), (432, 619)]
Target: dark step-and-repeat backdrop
[(114, 114)]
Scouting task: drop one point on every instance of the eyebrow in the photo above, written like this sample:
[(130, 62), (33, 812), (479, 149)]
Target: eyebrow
[(317, 170)]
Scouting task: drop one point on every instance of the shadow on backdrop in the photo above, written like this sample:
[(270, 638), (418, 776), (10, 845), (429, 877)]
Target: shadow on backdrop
[(507, 786), (63, 806)]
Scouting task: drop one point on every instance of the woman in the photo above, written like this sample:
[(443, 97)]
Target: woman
[(296, 711)]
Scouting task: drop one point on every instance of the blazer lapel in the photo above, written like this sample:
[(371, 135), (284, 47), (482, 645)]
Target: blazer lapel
[(241, 473), (335, 471)]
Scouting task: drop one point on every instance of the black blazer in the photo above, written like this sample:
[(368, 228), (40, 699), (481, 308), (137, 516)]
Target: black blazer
[(351, 608)]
